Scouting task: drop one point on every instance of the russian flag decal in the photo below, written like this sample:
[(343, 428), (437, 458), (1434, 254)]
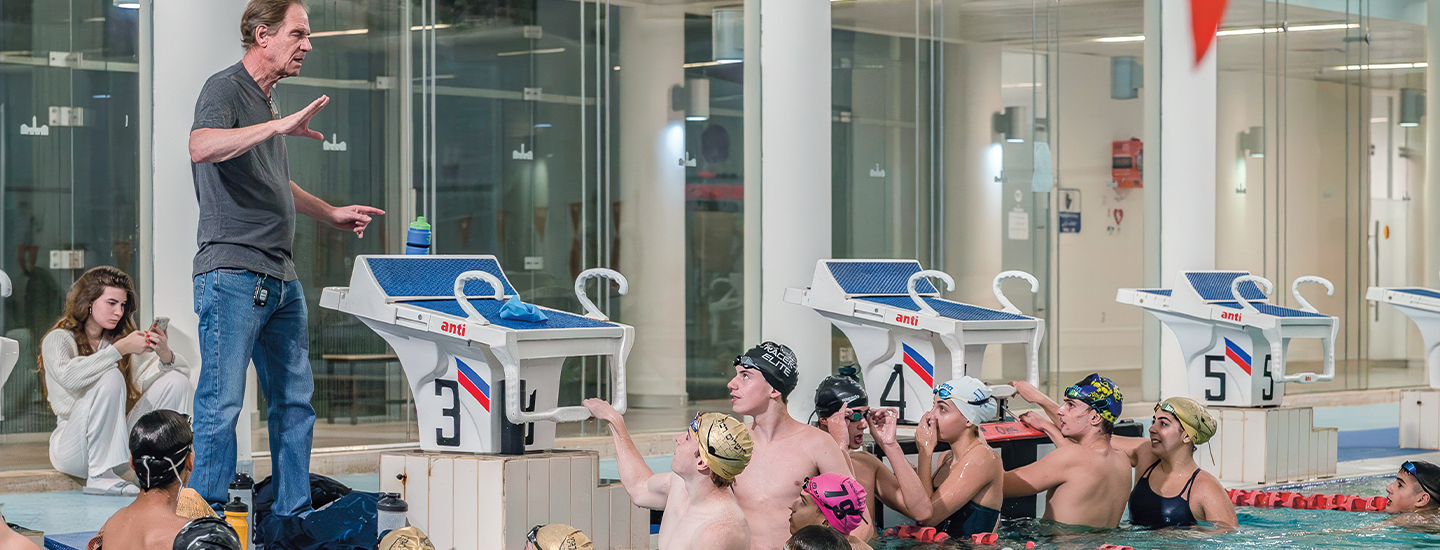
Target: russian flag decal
[(474, 384), (917, 363), (1238, 355)]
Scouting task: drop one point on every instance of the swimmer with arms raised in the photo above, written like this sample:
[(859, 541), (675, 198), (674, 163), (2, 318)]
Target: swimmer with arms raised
[(700, 508), (1088, 479), (843, 408)]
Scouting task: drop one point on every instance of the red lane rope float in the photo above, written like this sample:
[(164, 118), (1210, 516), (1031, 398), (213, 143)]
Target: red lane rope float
[(918, 533), (1348, 503)]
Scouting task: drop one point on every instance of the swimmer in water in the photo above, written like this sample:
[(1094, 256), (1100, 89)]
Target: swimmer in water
[(1415, 496), (843, 408), (696, 494), (1088, 479), (1180, 424), (787, 451), (831, 500), (966, 486)]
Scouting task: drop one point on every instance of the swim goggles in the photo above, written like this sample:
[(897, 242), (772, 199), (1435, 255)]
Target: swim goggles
[(534, 531), (1100, 394), (1409, 467), (695, 428), (855, 415), (944, 392)]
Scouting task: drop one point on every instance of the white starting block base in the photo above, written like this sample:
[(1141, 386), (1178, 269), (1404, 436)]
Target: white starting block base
[(1420, 419), (490, 502), (1273, 445)]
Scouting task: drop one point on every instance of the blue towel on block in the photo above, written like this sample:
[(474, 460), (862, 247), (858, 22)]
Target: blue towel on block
[(516, 310)]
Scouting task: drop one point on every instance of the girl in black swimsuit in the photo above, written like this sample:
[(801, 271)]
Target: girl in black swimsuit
[(1179, 425), (966, 490)]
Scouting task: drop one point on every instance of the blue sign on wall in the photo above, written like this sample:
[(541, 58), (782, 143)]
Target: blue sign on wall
[(1069, 222)]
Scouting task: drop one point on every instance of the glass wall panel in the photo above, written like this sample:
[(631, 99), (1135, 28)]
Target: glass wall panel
[(1316, 172), (69, 102)]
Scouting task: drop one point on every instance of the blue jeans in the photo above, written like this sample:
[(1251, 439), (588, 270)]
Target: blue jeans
[(234, 331)]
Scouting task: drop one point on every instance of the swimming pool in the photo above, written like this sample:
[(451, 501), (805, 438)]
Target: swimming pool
[(1259, 528)]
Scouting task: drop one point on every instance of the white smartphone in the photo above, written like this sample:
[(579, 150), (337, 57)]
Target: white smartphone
[(161, 324)]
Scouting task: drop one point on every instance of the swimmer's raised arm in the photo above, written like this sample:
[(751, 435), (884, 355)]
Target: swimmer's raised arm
[(1030, 418), (1029, 392), (647, 489), (1137, 448), (838, 426), (900, 489)]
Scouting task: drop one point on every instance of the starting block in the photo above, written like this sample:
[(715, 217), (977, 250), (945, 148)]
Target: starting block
[(1233, 339), (465, 364), (1418, 408), (906, 337)]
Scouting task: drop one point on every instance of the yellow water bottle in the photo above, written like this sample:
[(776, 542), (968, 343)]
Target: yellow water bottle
[(236, 512)]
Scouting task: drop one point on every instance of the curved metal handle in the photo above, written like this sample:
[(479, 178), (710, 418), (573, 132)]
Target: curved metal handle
[(1265, 286), (915, 295), (1009, 307), (476, 275), (590, 310), (619, 397), (1295, 291)]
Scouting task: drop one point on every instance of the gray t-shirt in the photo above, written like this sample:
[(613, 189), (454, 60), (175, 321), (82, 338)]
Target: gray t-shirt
[(247, 211)]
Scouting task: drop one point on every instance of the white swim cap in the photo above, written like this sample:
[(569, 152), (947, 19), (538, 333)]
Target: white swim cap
[(971, 397)]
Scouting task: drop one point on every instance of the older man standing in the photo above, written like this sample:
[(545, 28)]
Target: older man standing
[(250, 304)]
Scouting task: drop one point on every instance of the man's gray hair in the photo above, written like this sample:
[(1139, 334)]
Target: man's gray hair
[(269, 13)]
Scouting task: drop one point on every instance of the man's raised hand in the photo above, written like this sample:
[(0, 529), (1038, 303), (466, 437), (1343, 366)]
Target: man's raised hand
[(298, 123), (354, 218)]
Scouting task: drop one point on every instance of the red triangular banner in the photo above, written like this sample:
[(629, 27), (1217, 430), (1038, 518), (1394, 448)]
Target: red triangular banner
[(1204, 21)]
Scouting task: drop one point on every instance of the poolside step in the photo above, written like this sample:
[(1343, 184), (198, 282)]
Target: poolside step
[(487, 501), (1420, 419), (1269, 445)]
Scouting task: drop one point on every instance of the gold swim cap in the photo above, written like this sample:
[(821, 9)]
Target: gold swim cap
[(558, 536), (406, 538), (1192, 416), (725, 444)]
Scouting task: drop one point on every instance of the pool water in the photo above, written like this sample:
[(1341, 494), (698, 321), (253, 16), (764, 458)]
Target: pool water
[(1259, 528)]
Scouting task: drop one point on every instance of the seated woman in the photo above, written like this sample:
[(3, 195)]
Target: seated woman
[(831, 500), (100, 375), (1168, 456), (160, 453), (966, 489)]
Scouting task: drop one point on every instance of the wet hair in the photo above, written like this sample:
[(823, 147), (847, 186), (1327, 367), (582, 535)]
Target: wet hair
[(159, 444), (721, 482), (817, 537), (88, 288), (270, 13)]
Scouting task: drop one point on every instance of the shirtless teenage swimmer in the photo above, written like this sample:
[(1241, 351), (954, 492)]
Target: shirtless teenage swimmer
[(1088, 479), (786, 450), (700, 509)]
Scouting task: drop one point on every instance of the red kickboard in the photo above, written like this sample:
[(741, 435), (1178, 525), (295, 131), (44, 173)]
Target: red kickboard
[(1005, 431)]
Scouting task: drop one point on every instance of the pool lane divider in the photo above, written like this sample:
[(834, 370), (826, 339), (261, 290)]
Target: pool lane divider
[(1347, 503)]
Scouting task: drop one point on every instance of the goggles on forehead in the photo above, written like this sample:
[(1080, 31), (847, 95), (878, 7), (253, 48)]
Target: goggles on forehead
[(1169, 409), (1409, 468)]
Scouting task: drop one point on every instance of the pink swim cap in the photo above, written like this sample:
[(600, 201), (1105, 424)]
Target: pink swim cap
[(840, 498)]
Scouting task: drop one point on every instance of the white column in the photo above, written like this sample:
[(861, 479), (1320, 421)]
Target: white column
[(209, 31), (652, 225), (795, 217), (1430, 239), (1186, 179), (972, 162)]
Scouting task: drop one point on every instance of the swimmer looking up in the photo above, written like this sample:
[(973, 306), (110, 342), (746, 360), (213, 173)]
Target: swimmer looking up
[(1088, 479), (700, 508), (786, 450)]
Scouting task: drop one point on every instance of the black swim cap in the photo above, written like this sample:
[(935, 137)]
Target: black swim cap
[(207, 534), (776, 363), (835, 391)]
